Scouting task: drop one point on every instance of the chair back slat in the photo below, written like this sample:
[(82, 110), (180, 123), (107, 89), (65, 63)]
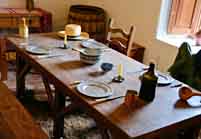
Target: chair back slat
[(122, 44)]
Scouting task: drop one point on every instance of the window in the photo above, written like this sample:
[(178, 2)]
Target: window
[(185, 17)]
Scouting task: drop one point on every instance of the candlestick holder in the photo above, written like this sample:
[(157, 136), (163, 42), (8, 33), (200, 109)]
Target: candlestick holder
[(118, 79), (65, 46)]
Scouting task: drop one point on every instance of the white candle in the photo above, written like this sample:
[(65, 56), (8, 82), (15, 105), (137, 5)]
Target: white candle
[(65, 39), (120, 70)]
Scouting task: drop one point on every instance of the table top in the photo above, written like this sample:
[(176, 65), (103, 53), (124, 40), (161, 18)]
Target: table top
[(145, 119), (15, 121)]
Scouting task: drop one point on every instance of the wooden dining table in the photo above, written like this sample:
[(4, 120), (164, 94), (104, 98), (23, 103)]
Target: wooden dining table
[(165, 116)]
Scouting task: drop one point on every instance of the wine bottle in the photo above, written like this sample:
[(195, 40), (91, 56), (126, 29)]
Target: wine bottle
[(29, 5), (23, 29), (148, 84)]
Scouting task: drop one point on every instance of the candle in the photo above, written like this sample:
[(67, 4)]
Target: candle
[(65, 39), (120, 70), (119, 78)]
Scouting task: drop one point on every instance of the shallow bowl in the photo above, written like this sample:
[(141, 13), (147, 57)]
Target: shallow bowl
[(89, 58)]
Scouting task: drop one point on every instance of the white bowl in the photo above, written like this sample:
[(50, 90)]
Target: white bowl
[(90, 57), (93, 51)]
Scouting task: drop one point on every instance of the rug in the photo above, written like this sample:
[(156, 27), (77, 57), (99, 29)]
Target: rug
[(78, 125)]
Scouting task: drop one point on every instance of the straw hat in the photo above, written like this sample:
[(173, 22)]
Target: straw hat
[(73, 30)]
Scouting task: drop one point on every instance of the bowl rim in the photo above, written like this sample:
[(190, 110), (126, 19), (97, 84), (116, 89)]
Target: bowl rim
[(90, 54)]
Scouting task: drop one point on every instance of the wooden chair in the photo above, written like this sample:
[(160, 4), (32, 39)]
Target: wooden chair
[(122, 44)]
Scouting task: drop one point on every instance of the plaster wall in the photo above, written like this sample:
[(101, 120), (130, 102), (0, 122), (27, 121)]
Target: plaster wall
[(141, 13)]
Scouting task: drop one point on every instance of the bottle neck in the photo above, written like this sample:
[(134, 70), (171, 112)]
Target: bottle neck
[(23, 21), (151, 68), (29, 5)]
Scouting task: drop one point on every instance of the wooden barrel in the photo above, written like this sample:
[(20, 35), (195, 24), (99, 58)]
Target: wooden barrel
[(92, 20)]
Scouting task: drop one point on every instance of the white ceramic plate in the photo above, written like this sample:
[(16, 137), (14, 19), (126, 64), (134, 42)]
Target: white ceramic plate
[(83, 36), (194, 101), (93, 44), (163, 79), (94, 89), (37, 50)]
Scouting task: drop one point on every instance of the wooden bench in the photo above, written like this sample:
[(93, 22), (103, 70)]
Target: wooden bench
[(15, 121)]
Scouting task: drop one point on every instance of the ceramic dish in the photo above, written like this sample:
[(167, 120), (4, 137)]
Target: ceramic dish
[(92, 44), (89, 59), (37, 50), (83, 36), (163, 79), (194, 101), (94, 89)]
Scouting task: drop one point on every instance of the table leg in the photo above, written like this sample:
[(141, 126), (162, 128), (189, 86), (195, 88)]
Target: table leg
[(21, 70), (105, 133), (48, 91), (191, 133), (59, 104)]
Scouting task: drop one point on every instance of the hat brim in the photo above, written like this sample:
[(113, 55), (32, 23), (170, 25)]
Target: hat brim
[(83, 36)]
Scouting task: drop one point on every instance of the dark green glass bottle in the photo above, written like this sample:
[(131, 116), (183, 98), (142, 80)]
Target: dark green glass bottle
[(148, 84), (29, 5)]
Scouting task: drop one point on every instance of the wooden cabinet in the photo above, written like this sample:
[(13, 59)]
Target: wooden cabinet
[(38, 19)]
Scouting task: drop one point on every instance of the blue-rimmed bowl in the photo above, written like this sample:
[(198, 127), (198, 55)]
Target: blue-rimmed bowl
[(89, 56)]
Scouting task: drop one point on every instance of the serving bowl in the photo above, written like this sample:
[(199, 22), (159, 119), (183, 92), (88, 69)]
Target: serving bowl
[(90, 56)]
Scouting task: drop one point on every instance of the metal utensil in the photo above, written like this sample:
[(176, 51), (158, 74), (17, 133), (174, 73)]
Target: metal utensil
[(177, 85), (49, 56), (137, 71), (75, 82), (78, 49), (106, 99)]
